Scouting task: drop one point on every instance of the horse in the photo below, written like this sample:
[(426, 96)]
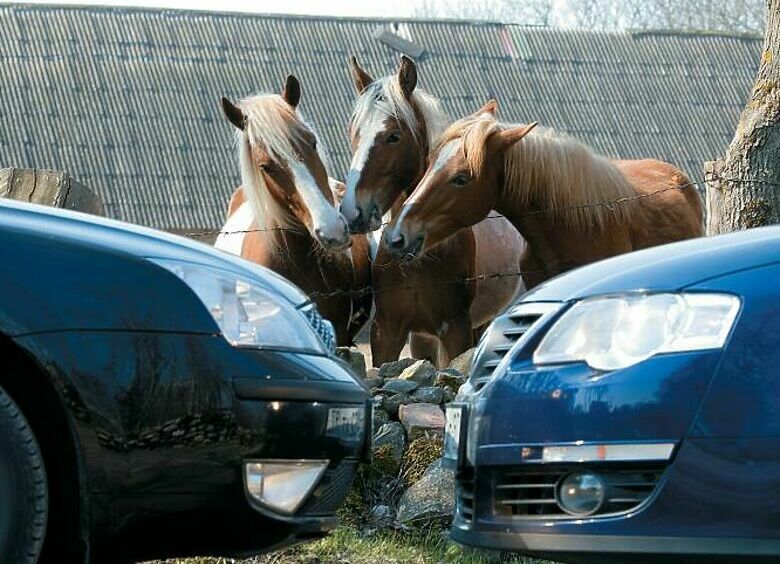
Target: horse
[(284, 215), (572, 205), (443, 300)]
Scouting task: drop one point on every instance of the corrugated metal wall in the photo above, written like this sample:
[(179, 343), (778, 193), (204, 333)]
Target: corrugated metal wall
[(127, 99)]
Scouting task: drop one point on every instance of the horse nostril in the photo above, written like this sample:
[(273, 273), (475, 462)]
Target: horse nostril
[(397, 241)]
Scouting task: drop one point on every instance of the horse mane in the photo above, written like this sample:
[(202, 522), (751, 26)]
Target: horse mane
[(552, 171), (385, 96), (277, 127)]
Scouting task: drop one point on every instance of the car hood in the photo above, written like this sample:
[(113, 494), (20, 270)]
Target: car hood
[(118, 238), (667, 267)]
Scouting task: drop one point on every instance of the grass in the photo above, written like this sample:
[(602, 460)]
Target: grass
[(348, 546)]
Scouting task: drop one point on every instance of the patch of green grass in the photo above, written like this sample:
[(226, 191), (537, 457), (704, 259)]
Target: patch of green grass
[(346, 545)]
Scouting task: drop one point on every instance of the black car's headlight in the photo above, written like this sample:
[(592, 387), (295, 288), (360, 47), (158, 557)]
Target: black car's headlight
[(246, 313), (615, 332)]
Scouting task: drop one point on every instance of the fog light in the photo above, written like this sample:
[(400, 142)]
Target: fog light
[(282, 485), (581, 493)]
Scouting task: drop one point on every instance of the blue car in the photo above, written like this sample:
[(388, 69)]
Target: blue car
[(630, 408)]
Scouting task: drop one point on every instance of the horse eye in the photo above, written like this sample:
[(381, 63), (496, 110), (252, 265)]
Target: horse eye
[(461, 179), (394, 137)]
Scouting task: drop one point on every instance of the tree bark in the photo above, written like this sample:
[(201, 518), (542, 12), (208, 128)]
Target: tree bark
[(743, 188)]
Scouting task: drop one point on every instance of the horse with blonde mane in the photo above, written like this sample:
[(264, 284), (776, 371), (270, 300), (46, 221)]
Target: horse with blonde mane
[(284, 214), (444, 298), (572, 205)]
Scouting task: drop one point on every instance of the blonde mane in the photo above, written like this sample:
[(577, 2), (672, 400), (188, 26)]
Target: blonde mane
[(385, 97), (271, 123), (551, 171)]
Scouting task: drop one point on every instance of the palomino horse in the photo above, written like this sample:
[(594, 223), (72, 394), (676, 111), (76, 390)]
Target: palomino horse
[(572, 205), (284, 216), (442, 298)]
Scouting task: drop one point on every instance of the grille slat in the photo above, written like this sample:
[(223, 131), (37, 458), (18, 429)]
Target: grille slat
[(466, 495), (526, 502), (531, 494), (502, 335)]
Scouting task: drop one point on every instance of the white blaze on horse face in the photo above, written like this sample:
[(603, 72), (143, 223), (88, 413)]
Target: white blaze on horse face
[(367, 134), (328, 225), (446, 154)]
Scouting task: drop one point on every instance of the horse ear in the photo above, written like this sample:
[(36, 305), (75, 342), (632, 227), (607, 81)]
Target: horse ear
[(292, 91), (509, 137), (360, 78), (233, 113), (407, 76), (490, 107)]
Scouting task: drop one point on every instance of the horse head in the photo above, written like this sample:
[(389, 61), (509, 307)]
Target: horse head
[(282, 173), (460, 186), (390, 133)]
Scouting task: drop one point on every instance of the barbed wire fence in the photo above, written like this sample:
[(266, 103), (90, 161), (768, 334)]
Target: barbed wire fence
[(362, 292)]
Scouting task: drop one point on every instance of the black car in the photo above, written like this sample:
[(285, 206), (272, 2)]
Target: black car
[(161, 398)]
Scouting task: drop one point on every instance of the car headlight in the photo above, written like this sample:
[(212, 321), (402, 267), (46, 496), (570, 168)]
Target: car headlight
[(246, 313), (615, 332)]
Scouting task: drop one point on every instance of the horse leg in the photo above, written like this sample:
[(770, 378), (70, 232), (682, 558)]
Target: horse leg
[(456, 339), (387, 340), (424, 346)]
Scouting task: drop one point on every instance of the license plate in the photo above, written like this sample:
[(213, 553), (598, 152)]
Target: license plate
[(346, 423), (452, 432)]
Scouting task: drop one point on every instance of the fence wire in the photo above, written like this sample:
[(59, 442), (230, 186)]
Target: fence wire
[(368, 291)]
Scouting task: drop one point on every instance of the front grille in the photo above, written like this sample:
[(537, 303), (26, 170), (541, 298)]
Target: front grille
[(332, 490), (530, 493), (321, 326), (502, 335), (466, 495)]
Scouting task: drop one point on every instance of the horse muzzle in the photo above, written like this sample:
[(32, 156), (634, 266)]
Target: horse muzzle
[(402, 246), (334, 239), (365, 223)]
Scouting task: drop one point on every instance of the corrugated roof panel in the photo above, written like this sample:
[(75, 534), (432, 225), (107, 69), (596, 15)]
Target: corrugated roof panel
[(127, 99)]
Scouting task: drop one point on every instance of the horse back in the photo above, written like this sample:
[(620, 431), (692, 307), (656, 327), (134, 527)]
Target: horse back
[(668, 206)]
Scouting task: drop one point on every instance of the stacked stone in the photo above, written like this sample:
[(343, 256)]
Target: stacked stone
[(408, 432)]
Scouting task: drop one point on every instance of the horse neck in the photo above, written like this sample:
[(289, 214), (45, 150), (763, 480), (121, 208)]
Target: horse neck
[(561, 185)]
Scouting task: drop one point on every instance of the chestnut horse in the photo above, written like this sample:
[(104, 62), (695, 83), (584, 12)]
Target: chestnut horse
[(572, 205), (284, 214), (443, 298)]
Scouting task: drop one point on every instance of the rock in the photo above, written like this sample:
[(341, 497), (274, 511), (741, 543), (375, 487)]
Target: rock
[(372, 372), (450, 379), (422, 372), (429, 394), (394, 369), (380, 418), (431, 500), (420, 454), (354, 358), (449, 395), (421, 419), (373, 383), (462, 362), (388, 447), (399, 386), (381, 516), (392, 404)]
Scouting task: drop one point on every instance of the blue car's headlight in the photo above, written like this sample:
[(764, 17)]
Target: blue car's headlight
[(246, 313), (615, 332)]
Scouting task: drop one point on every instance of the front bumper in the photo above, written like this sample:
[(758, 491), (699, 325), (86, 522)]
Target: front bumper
[(715, 498), (165, 423)]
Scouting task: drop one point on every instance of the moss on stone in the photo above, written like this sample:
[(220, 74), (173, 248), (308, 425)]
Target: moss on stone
[(422, 452), (384, 460)]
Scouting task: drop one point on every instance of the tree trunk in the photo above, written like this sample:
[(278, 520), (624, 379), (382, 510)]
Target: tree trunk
[(743, 188)]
